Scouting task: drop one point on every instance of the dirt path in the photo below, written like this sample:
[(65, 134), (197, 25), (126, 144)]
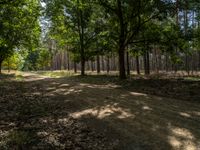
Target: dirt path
[(93, 113)]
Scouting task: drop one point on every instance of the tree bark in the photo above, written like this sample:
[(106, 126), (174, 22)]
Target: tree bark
[(75, 67), (148, 63), (102, 63), (81, 37), (128, 63), (121, 51), (92, 65), (166, 62), (137, 65), (145, 63), (199, 61), (98, 64), (1, 66), (8, 66), (108, 64)]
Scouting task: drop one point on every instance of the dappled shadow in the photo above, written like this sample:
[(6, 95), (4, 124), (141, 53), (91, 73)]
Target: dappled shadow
[(94, 112)]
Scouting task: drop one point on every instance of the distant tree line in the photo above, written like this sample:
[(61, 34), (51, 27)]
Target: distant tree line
[(109, 35)]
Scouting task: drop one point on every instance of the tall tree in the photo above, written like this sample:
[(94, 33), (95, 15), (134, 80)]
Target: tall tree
[(127, 17)]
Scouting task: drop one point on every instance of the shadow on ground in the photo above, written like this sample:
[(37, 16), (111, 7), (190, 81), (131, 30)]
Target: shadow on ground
[(93, 113)]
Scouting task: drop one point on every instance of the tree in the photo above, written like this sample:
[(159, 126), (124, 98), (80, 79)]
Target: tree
[(75, 18), (127, 18), (19, 26)]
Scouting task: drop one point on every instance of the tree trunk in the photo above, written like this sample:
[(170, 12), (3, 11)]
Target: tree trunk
[(128, 63), (199, 61), (166, 62), (8, 66), (75, 67), (82, 58), (187, 64), (148, 63), (81, 38), (98, 64), (92, 65), (137, 65), (0, 66), (102, 62), (145, 63), (121, 51), (108, 64), (122, 72)]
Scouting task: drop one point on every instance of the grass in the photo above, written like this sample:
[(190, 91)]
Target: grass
[(192, 78), (55, 74)]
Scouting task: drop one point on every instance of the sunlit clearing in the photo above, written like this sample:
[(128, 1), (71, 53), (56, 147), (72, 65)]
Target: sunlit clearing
[(138, 94), (105, 111), (182, 139)]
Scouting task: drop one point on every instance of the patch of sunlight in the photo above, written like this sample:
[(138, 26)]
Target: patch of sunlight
[(137, 94), (93, 86), (146, 108), (124, 95), (54, 83), (3, 137), (181, 132), (181, 139), (36, 93), (62, 90), (72, 90), (53, 139), (104, 112), (42, 133), (50, 88), (197, 113), (185, 114), (64, 85)]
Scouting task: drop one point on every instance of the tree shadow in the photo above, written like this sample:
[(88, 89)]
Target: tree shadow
[(93, 112)]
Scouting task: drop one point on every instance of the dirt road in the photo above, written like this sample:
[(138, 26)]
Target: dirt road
[(93, 113)]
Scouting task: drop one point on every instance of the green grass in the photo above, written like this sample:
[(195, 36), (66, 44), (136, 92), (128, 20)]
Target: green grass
[(55, 74), (192, 78)]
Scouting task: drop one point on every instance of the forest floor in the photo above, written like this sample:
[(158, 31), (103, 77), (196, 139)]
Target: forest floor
[(40, 111)]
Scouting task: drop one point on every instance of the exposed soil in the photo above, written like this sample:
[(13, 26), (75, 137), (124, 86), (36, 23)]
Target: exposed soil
[(99, 112)]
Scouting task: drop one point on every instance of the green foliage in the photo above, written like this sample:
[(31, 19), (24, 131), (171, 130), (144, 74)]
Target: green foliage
[(38, 59), (14, 62), (19, 26)]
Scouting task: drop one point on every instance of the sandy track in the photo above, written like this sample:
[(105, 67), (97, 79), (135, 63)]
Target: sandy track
[(130, 119)]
